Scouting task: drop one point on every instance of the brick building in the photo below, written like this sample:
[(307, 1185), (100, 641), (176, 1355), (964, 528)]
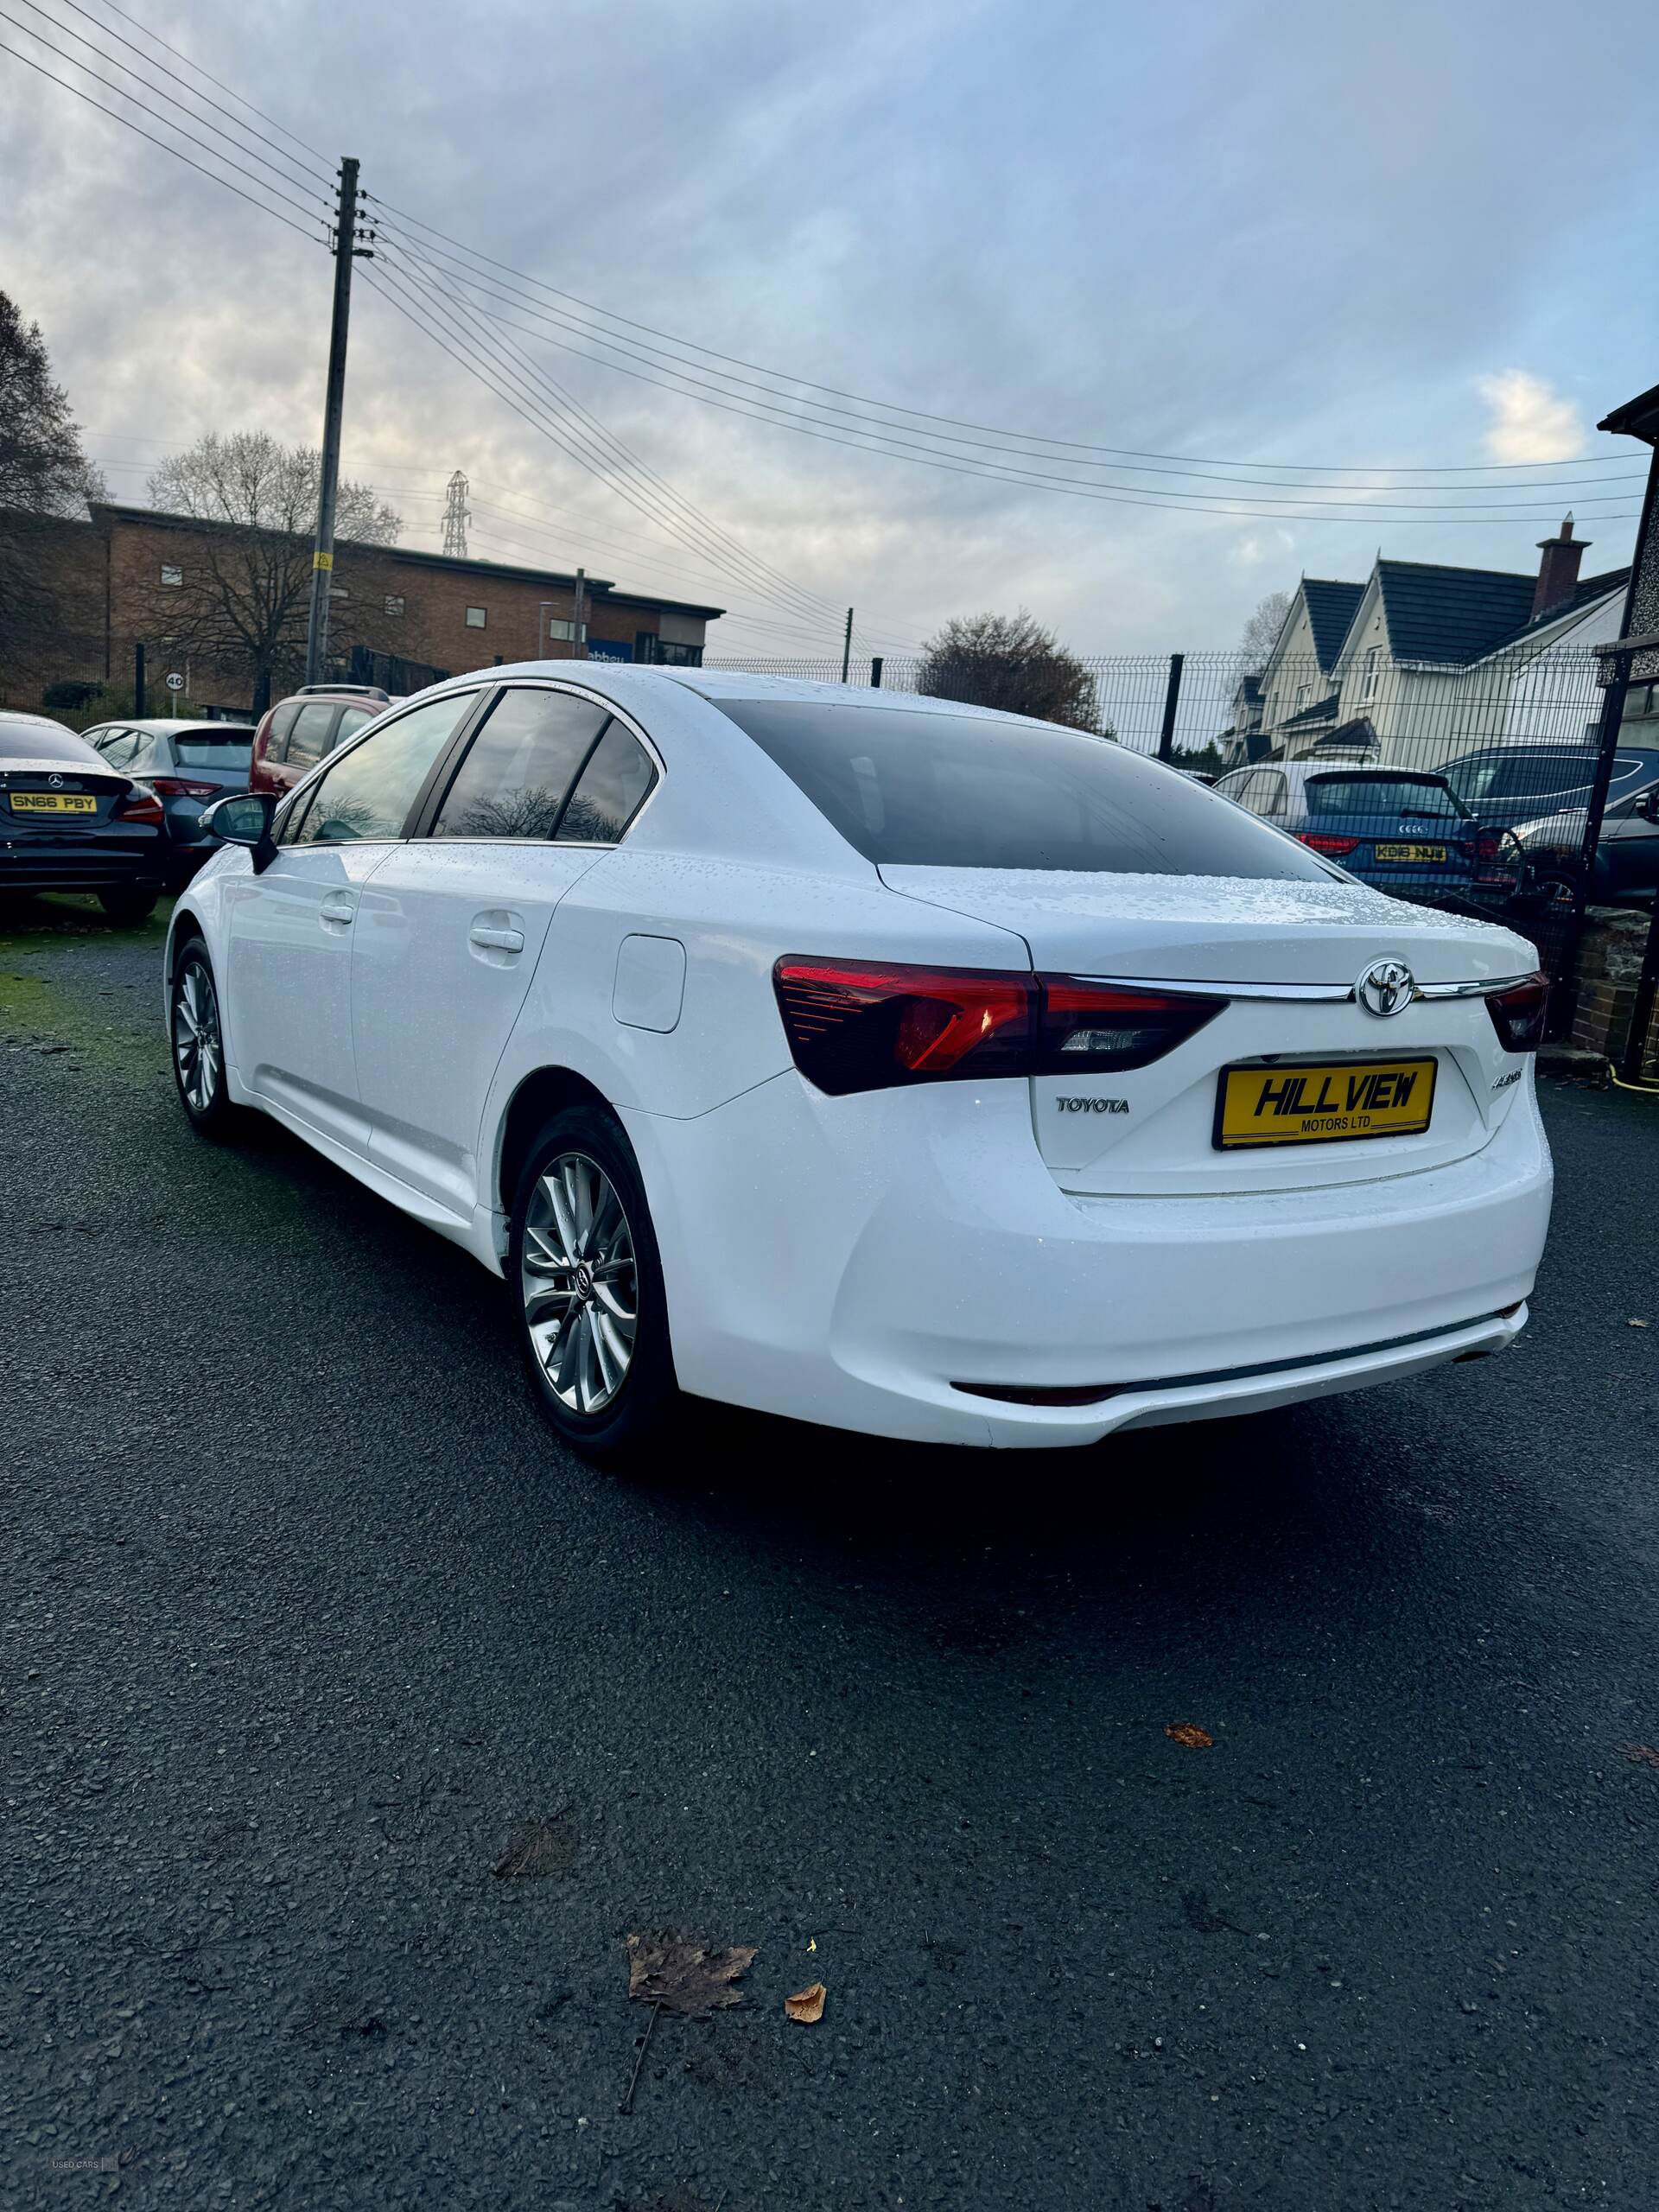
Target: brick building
[(412, 616)]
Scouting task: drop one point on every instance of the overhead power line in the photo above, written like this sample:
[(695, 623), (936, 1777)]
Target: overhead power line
[(385, 282), (612, 454), (127, 122), (1303, 508), (784, 376)]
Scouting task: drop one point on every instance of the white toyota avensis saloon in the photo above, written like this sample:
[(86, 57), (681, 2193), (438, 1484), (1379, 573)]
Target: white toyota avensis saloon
[(880, 1061)]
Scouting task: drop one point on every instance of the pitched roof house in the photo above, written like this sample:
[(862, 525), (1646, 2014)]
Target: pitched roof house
[(1435, 659)]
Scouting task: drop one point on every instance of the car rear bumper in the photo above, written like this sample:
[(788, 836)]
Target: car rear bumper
[(855, 1261), (95, 869)]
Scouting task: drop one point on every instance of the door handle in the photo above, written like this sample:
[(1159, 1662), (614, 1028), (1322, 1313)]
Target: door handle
[(337, 910), (496, 940)]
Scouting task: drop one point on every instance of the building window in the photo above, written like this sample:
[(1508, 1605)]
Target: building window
[(474, 618), (564, 630), (170, 574), (1370, 672), (394, 603), (1301, 696)]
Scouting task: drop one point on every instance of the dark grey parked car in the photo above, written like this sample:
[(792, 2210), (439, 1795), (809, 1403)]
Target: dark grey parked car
[(188, 766), (70, 822)]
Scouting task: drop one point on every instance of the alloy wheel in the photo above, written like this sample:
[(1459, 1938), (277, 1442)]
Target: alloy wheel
[(196, 1045), (580, 1283)]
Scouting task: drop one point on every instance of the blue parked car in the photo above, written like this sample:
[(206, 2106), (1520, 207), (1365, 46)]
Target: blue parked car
[(1401, 829)]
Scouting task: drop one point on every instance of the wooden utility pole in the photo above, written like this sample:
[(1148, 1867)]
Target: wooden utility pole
[(322, 558)]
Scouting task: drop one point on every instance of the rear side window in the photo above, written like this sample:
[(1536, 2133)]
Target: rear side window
[(1380, 795), (283, 719), (518, 768), (351, 719), (120, 747), (610, 791), (369, 790), (308, 736), (42, 740), (960, 790)]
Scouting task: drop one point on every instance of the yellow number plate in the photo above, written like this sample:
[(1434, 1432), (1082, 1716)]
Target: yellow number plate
[(1411, 852), (51, 803), (1321, 1105)]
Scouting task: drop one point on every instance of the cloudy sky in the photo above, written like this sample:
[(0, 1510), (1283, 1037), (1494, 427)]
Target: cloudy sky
[(1256, 241)]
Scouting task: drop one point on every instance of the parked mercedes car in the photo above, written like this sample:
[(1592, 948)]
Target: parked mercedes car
[(903, 1066), (1405, 831), (1504, 785), (71, 822), (186, 764), (306, 728), (1626, 867)]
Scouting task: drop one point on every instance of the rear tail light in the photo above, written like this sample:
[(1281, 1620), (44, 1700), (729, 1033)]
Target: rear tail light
[(853, 1026), (1492, 846), (1098, 1025), (1334, 848), (177, 787), (1518, 1014), (139, 805)]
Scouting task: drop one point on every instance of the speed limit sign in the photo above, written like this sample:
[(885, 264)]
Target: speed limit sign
[(175, 681)]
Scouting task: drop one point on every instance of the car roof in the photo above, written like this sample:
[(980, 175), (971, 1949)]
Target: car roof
[(50, 740), (161, 726), (634, 684)]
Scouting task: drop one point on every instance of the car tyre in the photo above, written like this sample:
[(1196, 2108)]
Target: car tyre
[(586, 1283), (196, 1035), (128, 908)]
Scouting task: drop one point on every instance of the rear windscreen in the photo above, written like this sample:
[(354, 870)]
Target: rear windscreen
[(1379, 794), (905, 786), (229, 752), (43, 742)]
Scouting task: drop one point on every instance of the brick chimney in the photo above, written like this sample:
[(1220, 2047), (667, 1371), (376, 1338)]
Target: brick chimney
[(1557, 572)]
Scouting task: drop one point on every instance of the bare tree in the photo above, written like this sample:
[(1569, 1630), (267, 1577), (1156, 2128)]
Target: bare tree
[(1261, 631), (1010, 661), (243, 603), (45, 476)]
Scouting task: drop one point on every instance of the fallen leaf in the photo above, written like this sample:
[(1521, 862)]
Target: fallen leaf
[(811, 1943), (1188, 1732), (535, 1850), (1642, 1754), (681, 1973), (1636, 1324), (807, 2004)]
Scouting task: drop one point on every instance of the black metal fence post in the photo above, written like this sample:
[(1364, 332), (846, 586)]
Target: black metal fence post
[(875, 672), (137, 684), (1172, 700), (1609, 724)]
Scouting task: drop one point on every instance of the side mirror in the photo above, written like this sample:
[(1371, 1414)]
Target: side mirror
[(1649, 806), (245, 820)]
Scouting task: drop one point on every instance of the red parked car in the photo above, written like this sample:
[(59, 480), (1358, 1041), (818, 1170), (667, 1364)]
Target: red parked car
[(305, 728)]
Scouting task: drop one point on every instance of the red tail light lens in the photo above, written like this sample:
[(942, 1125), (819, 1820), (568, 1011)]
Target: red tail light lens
[(1490, 846), (857, 1028), (853, 1026), (1334, 848), (177, 787), (1096, 1026), (140, 805), (1518, 1014)]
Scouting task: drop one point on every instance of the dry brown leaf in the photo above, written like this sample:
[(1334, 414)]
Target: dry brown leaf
[(1188, 1732), (807, 2004), (536, 1849), (680, 1971), (1642, 1754)]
